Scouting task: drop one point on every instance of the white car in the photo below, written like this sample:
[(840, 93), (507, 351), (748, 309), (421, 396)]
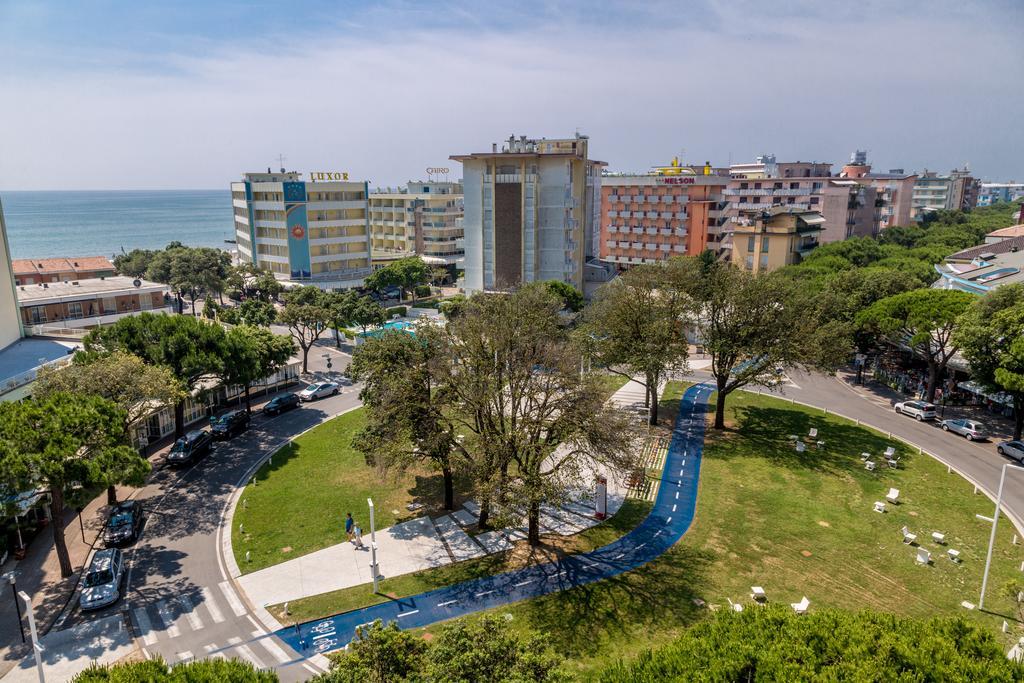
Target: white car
[(916, 409), (101, 585), (319, 390), (1014, 449)]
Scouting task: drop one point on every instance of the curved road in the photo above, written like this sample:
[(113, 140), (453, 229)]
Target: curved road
[(668, 520)]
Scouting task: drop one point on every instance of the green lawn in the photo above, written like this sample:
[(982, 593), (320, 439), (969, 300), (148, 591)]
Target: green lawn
[(610, 383), (795, 524), (299, 502)]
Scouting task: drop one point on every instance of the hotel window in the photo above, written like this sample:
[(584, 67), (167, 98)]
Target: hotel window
[(814, 200), (764, 246), (75, 309), (744, 186), (108, 304), (750, 243), (794, 186), (763, 262), (749, 264), (757, 186)]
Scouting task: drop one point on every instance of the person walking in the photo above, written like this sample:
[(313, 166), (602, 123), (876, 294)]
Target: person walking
[(359, 536), (349, 524)]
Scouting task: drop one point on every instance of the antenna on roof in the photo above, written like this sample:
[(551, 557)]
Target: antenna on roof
[(280, 161)]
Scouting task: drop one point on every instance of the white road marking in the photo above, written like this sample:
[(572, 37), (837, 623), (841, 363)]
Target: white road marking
[(211, 605), (210, 647), (658, 533), (673, 508), (523, 583), (168, 619), (618, 556), (668, 520), (677, 495), (185, 655), (229, 594), (445, 604), (680, 472), (480, 595), (408, 614), (190, 613), (244, 650), (310, 669), (640, 546), (275, 650), (145, 626)]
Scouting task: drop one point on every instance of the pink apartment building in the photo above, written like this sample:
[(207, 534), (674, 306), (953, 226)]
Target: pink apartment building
[(894, 191), (673, 211)]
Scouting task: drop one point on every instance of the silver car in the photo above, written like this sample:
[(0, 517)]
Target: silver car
[(1014, 449), (972, 430), (101, 585), (318, 390), (916, 409)]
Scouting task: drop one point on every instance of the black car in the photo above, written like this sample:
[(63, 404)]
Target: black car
[(190, 448), (230, 424), (280, 404), (124, 524)]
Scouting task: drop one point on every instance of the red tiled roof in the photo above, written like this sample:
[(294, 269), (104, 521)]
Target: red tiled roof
[(46, 266), (1012, 231)]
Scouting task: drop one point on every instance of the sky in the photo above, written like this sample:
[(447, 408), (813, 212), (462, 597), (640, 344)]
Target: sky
[(190, 94)]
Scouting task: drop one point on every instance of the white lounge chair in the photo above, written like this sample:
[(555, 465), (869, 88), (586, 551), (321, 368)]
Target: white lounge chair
[(894, 464), (879, 506), (908, 537), (758, 594), (801, 447), (953, 555), (889, 452), (923, 556), (869, 466), (820, 445), (865, 456), (813, 433), (735, 606), (893, 496), (939, 537), (801, 607)]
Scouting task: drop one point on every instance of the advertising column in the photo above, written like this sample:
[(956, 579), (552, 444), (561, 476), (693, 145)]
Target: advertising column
[(298, 229)]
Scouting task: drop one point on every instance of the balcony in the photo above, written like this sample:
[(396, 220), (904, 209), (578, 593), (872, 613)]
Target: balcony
[(638, 231), (666, 214), (665, 232), (625, 214), (613, 228), (613, 214), (613, 198), (652, 231)]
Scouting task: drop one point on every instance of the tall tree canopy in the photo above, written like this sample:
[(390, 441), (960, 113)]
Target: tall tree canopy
[(924, 320), (991, 336), (65, 443), (307, 315), (190, 348), (252, 353), (636, 326), (404, 273), (251, 282)]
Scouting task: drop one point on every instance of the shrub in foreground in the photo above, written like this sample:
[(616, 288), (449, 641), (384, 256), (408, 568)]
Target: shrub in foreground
[(157, 671)]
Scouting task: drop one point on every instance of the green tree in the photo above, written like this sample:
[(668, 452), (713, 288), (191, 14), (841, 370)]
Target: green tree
[(924, 319), (190, 348), (253, 282), (343, 306), (157, 671), (257, 313), (990, 334), (378, 654), (773, 644), (571, 297), (636, 326), (534, 425), (405, 273), (367, 313), (251, 354), (754, 326), (190, 272), (134, 263), (452, 306), (65, 443), (407, 405), (136, 388), (306, 314)]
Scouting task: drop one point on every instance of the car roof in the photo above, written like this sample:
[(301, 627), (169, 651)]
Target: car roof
[(102, 559), (193, 435)]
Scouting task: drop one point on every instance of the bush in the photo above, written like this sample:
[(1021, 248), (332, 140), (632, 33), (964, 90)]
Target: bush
[(156, 671), (774, 644), (399, 310), (423, 290)]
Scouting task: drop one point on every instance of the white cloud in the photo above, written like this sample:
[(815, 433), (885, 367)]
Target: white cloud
[(916, 89)]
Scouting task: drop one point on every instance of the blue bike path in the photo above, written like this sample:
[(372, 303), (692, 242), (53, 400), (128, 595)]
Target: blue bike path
[(668, 520)]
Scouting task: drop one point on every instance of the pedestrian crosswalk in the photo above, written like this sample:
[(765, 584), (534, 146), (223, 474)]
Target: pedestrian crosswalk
[(169, 626)]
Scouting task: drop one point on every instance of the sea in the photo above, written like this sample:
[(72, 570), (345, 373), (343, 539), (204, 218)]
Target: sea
[(104, 223)]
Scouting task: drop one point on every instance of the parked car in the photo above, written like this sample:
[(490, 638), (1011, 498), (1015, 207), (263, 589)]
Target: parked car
[(125, 523), (230, 424), (1014, 449), (101, 585), (971, 429), (190, 448), (916, 409), (280, 404), (319, 390)]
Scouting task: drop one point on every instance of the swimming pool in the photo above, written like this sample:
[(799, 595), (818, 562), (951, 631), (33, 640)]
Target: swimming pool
[(398, 325)]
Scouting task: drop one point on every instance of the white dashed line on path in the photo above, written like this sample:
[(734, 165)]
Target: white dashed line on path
[(445, 604), (211, 605), (408, 614), (168, 619), (523, 583), (229, 594)]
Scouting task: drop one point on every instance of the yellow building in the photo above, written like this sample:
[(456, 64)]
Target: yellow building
[(775, 238), (422, 218)]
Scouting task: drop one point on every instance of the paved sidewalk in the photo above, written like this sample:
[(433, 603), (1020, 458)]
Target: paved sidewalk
[(423, 543), (68, 652)]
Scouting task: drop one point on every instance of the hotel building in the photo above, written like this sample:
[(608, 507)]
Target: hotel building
[(422, 218), (893, 191), (847, 206), (33, 271), (89, 303), (670, 211), (305, 232), (932, 192), (531, 212), (775, 238), (992, 193)]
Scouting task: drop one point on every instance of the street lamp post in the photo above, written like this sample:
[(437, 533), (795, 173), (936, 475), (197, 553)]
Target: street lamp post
[(37, 648), (992, 537), (17, 605), (373, 547)]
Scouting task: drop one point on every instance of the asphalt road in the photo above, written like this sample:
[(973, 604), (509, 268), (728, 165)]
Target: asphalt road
[(178, 596)]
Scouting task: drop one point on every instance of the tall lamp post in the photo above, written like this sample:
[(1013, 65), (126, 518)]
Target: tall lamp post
[(17, 605), (373, 547), (994, 519), (37, 648)]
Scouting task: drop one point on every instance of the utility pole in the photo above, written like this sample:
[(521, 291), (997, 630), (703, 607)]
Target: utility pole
[(37, 648)]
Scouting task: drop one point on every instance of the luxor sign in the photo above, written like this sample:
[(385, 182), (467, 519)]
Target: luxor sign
[(327, 175)]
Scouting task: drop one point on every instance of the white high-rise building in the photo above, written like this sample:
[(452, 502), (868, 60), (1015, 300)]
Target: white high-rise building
[(10, 318), (423, 218), (308, 232), (531, 212)]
